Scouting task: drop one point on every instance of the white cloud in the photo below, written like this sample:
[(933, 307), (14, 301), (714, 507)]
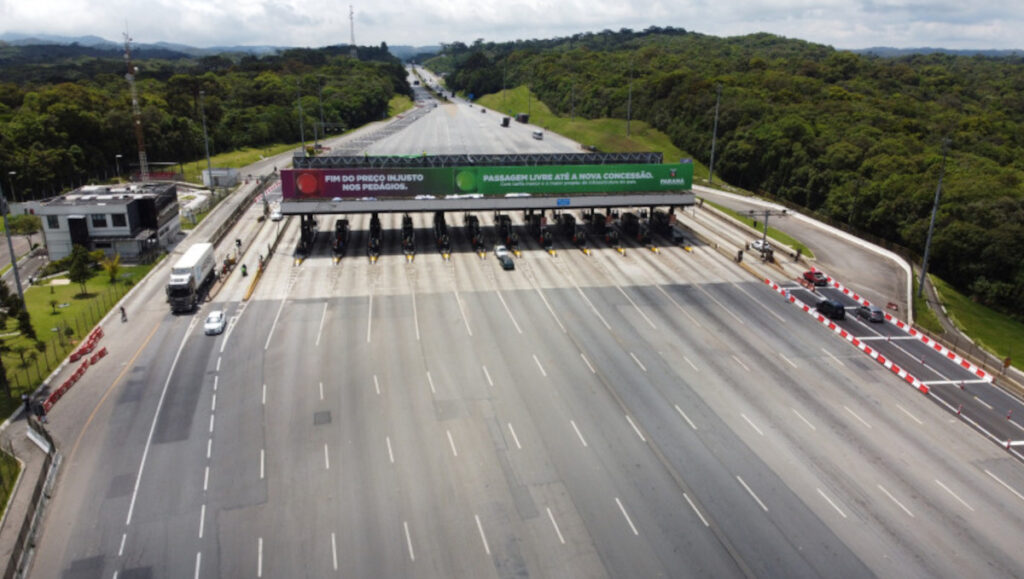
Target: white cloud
[(842, 23)]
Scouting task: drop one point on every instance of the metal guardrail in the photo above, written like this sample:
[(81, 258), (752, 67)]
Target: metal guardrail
[(25, 543)]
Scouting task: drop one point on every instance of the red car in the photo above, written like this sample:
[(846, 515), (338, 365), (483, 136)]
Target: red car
[(816, 277)]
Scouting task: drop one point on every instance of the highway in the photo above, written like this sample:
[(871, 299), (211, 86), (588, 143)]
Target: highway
[(580, 416)]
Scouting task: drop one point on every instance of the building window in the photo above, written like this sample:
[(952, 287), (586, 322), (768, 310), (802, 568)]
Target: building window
[(99, 219), (118, 219), (52, 222), (102, 245)]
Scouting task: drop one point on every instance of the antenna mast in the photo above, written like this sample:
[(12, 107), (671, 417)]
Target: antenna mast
[(136, 112), (352, 31)]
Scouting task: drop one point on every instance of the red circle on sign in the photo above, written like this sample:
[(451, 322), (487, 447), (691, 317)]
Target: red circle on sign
[(307, 184)]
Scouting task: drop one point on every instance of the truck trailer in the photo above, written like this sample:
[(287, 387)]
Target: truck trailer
[(190, 277)]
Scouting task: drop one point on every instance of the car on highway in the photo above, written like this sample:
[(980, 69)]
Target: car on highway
[(500, 250), (815, 277), (832, 309), (506, 262), (760, 245), (214, 323), (539, 135), (871, 314), (276, 215)]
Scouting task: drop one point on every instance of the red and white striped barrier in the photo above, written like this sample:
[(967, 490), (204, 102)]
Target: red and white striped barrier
[(913, 332), (83, 354), (902, 373)]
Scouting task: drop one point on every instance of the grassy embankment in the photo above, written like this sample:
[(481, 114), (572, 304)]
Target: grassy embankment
[(9, 469), (991, 330)]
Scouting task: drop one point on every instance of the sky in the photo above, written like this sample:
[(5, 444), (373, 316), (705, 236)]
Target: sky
[(953, 24)]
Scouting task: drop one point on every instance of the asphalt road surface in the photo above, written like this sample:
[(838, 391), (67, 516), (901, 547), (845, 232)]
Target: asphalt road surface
[(579, 416)]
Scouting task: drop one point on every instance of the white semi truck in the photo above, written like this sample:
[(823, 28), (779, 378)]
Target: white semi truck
[(190, 277)]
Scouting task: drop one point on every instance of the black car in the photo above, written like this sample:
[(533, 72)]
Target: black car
[(506, 262), (871, 314), (832, 309)]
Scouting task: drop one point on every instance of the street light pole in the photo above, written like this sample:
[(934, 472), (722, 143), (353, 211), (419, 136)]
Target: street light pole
[(10, 183), (117, 163), (931, 225), (4, 209), (629, 99), (714, 134), (206, 141)]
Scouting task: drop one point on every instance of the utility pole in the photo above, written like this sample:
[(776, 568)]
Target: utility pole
[(320, 102), (117, 163), (136, 111), (206, 141), (629, 99), (931, 225), (10, 185), (572, 99), (714, 134), (302, 126), (4, 209), (352, 30)]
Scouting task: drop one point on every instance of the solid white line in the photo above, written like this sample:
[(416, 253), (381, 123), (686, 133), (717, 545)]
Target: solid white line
[(509, 312), (488, 376), (831, 355), (213, 403), (451, 441), (120, 550), (206, 478), (152, 426), (369, 319), (391, 455), (907, 412), (415, 317), (259, 558), (334, 551), (742, 482), (514, 437), (264, 401), (376, 384), (791, 363), (218, 363), (431, 382), (272, 326), (685, 417), (681, 308), (983, 403), (321, 391), (465, 320), (202, 520), (905, 509), (578, 433), (635, 429), (539, 366), (199, 560), (744, 366), (948, 490), (555, 525), (594, 309), (692, 365), (855, 416), (834, 506), (625, 514), (320, 331), (408, 540), (1008, 487), (638, 363), (209, 448), (553, 314), (696, 510), (483, 537), (212, 416), (216, 380), (807, 422), (587, 362), (636, 307), (327, 458), (751, 423), (262, 461)]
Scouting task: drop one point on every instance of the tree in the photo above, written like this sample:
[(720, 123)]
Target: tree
[(25, 324), (112, 266), (80, 269), (5, 384), (26, 225)]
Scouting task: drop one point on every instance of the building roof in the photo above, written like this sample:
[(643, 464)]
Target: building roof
[(92, 195)]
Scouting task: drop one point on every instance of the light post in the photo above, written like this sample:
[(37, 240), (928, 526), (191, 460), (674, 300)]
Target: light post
[(10, 183), (931, 226), (714, 134), (117, 163), (206, 142), (4, 209), (629, 99)]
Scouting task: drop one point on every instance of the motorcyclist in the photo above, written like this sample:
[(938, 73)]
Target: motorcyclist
[(245, 271)]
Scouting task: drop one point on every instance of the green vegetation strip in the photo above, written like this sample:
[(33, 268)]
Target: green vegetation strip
[(924, 315), (9, 470), (996, 332), (772, 232), (239, 158), (399, 104)]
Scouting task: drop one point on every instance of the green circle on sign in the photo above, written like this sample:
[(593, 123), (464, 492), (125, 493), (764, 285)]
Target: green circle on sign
[(466, 181)]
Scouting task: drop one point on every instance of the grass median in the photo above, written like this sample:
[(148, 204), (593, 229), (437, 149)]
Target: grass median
[(990, 329)]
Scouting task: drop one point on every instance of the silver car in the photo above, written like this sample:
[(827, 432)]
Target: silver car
[(215, 323)]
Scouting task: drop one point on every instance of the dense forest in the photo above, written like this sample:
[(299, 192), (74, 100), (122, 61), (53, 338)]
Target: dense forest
[(63, 123), (857, 138)]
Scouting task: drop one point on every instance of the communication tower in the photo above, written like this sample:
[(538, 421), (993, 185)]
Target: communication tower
[(352, 32), (136, 111)]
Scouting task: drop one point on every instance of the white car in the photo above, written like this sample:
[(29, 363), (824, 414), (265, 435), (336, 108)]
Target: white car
[(760, 245), (500, 250), (276, 215), (215, 323)]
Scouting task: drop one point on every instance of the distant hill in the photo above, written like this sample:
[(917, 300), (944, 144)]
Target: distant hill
[(406, 52), (890, 52), (165, 49)]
